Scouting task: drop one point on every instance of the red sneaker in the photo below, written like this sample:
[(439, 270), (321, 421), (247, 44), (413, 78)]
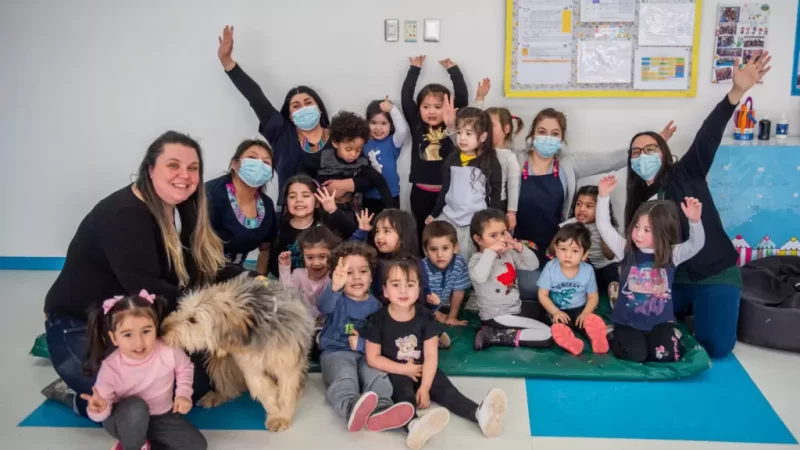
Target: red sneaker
[(361, 411), (396, 416), (596, 329), (566, 339)]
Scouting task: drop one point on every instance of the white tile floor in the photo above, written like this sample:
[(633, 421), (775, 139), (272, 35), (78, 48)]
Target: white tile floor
[(776, 373)]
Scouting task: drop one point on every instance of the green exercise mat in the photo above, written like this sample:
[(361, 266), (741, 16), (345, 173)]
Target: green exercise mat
[(462, 360)]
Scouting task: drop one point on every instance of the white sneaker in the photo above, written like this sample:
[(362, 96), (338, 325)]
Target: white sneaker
[(422, 429), (491, 412)]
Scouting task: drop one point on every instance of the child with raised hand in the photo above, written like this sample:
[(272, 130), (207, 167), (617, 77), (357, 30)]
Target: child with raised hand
[(507, 320), (349, 133), (472, 177), (430, 145), (307, 205), (505, 127), (133, 394), (388, 132), (354, 390), (644, 321), (568, 291), (402, 340), (315, 244), (606, 268), (445, 269)]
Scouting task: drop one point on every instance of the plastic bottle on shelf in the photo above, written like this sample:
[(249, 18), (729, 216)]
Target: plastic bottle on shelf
[(782, 127)]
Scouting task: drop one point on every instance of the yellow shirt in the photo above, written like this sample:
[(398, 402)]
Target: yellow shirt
[(465, 159)]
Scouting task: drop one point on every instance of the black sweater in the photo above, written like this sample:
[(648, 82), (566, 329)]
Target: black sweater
[(117, 250), (426, 167), (280, 132), (687, 178)]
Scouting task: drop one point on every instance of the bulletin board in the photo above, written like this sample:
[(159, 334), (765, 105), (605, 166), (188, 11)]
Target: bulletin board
[(622, 48)]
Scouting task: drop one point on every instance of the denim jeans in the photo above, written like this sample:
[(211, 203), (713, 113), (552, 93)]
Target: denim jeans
[(67, 343), (527, 279)]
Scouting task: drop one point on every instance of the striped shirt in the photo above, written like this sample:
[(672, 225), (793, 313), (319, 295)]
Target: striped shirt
[(444, 282)]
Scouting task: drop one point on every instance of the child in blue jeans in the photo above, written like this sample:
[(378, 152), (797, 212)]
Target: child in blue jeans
[(446, 270), (354, 389), (568, 291)]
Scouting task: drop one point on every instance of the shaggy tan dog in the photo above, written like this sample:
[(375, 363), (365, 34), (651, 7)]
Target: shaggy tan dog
[(257, 335)]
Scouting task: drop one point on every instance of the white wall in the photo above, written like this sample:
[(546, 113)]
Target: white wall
[(86, 85)]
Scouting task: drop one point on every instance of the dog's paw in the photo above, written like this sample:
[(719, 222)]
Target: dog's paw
[(212, 399), (278, 424)]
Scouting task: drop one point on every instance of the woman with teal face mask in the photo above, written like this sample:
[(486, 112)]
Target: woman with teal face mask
[(239, 211), (708, 285), (549, 181), (299, 129)]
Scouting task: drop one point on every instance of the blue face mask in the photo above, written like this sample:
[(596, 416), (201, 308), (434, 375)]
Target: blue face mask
[(647, 166), (306, 118), (254, 172), (546, 146)]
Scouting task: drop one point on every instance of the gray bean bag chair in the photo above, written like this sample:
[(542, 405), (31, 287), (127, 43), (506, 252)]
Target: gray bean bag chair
[(769, 315)]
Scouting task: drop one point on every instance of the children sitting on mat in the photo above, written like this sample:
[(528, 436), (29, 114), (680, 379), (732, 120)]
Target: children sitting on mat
[(133, 394), (606, 268), (445, 269), (644, 322), (354, 389), (402, 340), (568, 291), (507, 320)]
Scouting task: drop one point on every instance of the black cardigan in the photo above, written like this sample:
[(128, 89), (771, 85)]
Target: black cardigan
[(687, 178)]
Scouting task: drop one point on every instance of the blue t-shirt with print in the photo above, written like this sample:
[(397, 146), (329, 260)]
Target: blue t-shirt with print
[(568, 293)]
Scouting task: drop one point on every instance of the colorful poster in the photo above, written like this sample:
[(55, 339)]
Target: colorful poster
[(741, 33), (661, 68)]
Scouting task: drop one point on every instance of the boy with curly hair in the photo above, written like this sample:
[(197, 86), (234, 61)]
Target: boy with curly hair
[(348, 134), (354, 389)]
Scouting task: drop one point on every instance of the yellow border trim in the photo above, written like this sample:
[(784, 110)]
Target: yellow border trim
[(628, 93)]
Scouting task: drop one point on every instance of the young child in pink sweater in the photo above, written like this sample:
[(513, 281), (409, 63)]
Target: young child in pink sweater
[(315, 244), (133, 394)]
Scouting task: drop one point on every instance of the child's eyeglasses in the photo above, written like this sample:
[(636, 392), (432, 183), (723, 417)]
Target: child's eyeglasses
[(647, 150)]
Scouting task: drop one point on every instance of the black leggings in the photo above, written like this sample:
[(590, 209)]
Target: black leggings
[(661, 344), (422, 204), (605, 276), (442, 392)]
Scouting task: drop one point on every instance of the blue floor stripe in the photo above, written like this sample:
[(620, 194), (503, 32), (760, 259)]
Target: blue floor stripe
[(722, 404), (240, 414)]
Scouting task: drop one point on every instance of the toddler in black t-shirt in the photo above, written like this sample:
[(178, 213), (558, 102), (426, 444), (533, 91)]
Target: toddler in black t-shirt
[(402, 340)]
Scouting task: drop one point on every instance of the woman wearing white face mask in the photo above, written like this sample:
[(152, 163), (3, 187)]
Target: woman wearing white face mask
[(297, 130), (708, 285), (549, 180), (240, 212)]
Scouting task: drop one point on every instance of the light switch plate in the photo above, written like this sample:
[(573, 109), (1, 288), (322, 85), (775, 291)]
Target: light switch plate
[(391, 30), (410, 31), (431, 30)]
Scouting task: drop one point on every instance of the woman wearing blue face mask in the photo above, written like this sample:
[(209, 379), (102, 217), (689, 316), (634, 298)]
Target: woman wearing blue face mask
[(299, 129), (549, 181), (708, 285), (239, 211)]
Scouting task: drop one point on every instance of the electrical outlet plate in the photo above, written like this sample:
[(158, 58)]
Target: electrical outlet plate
[(410, 31), (431, 30), (391, 30)]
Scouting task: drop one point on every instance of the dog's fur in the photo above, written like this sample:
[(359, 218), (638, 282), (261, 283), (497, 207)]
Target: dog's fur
[(257, 335)]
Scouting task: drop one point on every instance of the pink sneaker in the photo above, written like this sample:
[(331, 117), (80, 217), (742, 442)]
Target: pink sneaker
[(118, 446), (361, 411), (390, 418), (596, 329), (566, 339)]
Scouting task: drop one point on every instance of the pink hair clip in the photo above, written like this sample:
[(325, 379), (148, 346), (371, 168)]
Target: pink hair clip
[(108, 304)]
